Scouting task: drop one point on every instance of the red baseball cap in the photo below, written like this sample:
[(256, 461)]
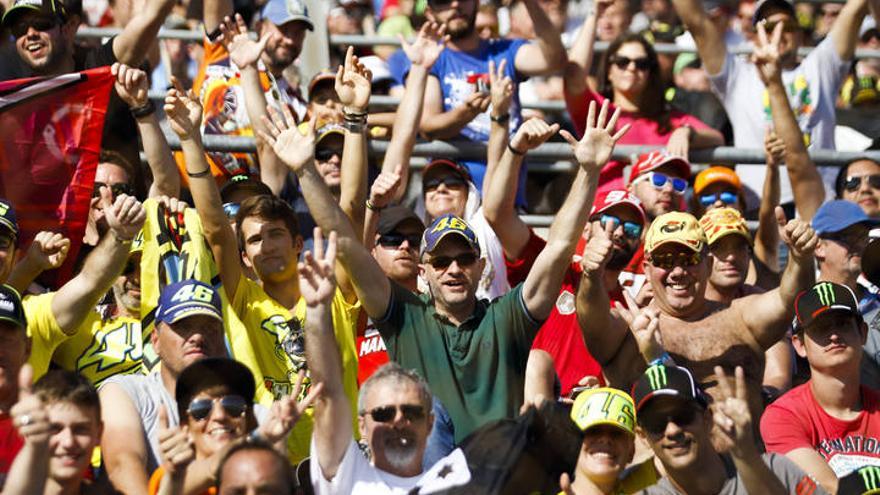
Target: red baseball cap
[(614, 197), (657, 158)]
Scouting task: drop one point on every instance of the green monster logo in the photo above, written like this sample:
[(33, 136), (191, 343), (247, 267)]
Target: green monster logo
[(825, 291), (656, 376), (871, 477)]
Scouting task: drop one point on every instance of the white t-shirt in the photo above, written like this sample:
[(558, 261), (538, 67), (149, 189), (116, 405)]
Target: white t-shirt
[(356, 475)]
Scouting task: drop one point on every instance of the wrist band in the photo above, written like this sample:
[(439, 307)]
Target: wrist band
[(355, 127), (148, 109), (501, 119), (663, 359), (121, 240), (515, 152), (350, 113), (371, 206), (196, 175)]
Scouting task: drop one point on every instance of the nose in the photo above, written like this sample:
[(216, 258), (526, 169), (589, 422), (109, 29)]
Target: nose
[(65, 438), (404, 245), (672, 429)]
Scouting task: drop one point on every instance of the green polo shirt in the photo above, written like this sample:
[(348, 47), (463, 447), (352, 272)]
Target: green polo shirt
[(477, 369)]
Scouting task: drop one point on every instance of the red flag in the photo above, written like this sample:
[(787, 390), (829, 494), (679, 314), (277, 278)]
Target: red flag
[(50, 130)]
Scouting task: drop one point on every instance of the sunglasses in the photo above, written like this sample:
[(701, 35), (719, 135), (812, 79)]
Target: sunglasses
[(116, 189), (233, 405), (641, 63), (668, 261), (854, 243), (444, 262), (656, 425), (393, 240), (231, 209), (385, 414), (449, 181), (725, 197), (854, 182), (632, 230), (788, 26), (41, 24), (325, 154), (659, 181)]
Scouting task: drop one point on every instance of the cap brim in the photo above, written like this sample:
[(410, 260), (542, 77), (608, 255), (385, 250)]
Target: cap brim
[(676, 241), (13, 13), (300, 18), (194, 311), (629, 204), (726, 233), (664, 392), (609, 423), (18, 323), (331, 132), (833, 309), (436, 165), (444, 236)]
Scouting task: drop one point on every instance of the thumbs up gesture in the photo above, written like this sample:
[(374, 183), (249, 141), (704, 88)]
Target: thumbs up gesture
[(175, 446), (798, 235), (29, 413)]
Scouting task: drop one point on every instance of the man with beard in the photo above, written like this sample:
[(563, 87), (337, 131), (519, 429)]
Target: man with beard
[(455, 103), (696, 332)]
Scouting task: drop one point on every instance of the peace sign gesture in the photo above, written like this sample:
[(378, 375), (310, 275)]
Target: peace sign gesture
[(732, 415), (594, 149), (766, 54), (644, 323)]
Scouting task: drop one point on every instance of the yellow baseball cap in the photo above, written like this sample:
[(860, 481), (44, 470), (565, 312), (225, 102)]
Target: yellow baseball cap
[(679, 227), (716, 174), (604, 406), (720, 222)]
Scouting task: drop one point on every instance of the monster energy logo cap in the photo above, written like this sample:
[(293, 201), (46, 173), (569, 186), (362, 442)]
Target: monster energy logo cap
[(862, 481), (823, 297), (667, 380)]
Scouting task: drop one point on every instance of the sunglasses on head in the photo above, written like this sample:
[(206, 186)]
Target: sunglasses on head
[(641, 63), (656, 424), (668, 261), (447, 180), (393, 240), (231, 209), (659, 181), (116, 189), (233, 405), (632, 230), (41, 24), (325, 154), (385, 414), (854, 182), (444, 262), (725, 197)]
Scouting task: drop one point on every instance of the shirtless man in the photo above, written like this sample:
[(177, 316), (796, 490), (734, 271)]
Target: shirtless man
[(699, 334)]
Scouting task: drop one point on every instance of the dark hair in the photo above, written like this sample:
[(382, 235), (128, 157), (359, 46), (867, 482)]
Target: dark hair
[(652, 101), (267, 207), (840, 180), (257, 445), (68, 386), (118, 159)]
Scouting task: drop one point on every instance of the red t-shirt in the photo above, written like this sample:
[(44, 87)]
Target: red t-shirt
[(644, 131), (10, 443), (796, 420), (370, 348)]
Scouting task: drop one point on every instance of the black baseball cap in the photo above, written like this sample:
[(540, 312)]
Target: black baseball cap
[(211, 372), (242, 186), (670, 381), (54, 8), (390, 218), (765, 5), (862, 481), (8, 220), (11, 309), (821, 298)]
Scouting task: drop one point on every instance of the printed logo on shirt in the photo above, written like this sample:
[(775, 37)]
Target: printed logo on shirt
[(113, 350), (801, 101), (565, 303), (372, 342)]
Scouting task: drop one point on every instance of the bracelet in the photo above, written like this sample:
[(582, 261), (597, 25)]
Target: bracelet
[(147, 109), (514, 151), (371, 206), (121, 240), (354, 127), (196, 175), (352, 114), (501, 119), (663, 359)]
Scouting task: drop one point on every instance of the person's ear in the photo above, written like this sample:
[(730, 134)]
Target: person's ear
[(246, 261), (362, 426), (298, 244), (799, 345), (482, 264)]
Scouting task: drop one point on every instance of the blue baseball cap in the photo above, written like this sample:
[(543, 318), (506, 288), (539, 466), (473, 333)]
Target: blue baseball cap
[(837, 215), (188, 298), (280, 12), (444, 226)]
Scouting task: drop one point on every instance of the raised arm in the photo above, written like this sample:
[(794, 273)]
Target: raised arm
[(806, 182), (333, 432), (382, 193), (297, 151), (541, 286), (75, 299), (500, 96), (47, 251), (710, 41), (131, 46), (184, 115), (580, 55), (214, 12), (546, 54), (845, 29), (122, 441), (767, 236), (132, 86), (437, 124)]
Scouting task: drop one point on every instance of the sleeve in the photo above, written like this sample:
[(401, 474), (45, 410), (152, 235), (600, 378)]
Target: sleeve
[(722, 82), (353, 463), (792, 476), (518, 269), (577, 105), (512, 314), (782, 430), (155, 480), (825, 64), (43, 329), (511, 51)]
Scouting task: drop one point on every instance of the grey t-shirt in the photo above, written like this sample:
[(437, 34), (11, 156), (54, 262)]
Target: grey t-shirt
[(793, 478)]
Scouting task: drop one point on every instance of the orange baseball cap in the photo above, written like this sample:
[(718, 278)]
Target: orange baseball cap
[(715, 174), (721, 222)]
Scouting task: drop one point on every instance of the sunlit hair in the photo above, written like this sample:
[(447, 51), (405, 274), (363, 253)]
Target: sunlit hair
[(266, 207), (393, 372), (69, 387)]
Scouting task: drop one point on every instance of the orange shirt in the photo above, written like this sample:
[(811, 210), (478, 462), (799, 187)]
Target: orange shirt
[(156, 479)]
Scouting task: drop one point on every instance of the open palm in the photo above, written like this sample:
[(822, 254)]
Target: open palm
[(428, 45), (243, 51), (594, 149)]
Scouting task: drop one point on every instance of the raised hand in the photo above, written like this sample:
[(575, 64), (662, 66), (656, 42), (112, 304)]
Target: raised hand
[(243, 51), (594, 149), (132, 85), (798, 235), (732, 415), (599, 248), (175, 446), (286, 411), (429, 43), (766, 54), (317, 271), (644, 323), (680, 142), (125, 216), (533, 133), (48, 250), (183, 110), (29, 413), (501, 89), (353, 83), (477, 103), (385, 187), (293, 148), (774, 147), (600, 6)]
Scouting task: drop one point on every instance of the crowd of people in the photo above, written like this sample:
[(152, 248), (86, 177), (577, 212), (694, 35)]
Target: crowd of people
[(308, 319)]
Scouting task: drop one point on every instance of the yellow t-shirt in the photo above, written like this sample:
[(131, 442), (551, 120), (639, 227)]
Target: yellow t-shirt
[(44, 331), (272, 340), (102, 348)]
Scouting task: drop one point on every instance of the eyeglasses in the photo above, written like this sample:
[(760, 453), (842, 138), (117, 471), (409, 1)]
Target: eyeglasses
[(641, 63), (325, 154), (41, 24), (448, 180), (659, 181), (788, 25), (631, 229), (725, 197), (656, 424), (233, 405), (385, 414), (116, 189), (668, 261), (393, 240), (231, 209), (444, 262), (854, 182)]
